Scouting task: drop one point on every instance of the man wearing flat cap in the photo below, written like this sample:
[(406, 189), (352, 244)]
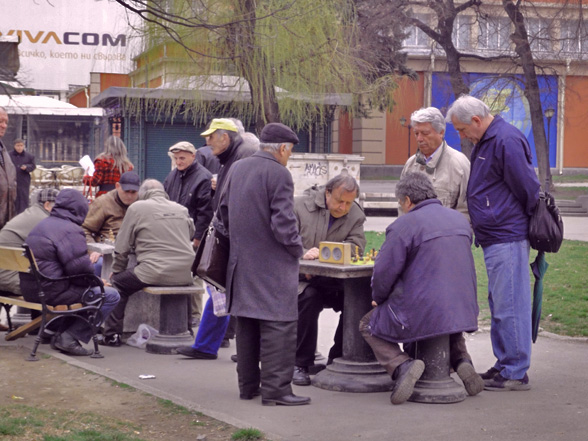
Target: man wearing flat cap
[(189, 185), (257, 210), (15, 233)]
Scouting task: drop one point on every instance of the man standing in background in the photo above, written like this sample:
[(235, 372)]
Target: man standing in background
[(24, 163), (7, 176)]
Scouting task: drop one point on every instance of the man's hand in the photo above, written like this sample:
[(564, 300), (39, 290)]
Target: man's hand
[(23, 167), (196, 243), (106, 282), (374, 304), (213, 182), (311, 254), (94, 256)]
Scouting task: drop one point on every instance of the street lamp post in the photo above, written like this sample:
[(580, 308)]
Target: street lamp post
[(403, 123), (549, 112)]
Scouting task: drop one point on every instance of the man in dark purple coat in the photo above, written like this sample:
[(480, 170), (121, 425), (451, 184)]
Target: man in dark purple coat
[(257, 210), (24, 163), (423, 286)]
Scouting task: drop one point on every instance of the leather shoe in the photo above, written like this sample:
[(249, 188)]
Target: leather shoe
[(301, 377), (405, 376), (250, 396), (3, 327), (234, 358), (286, 400), (66, 342), (189, 351)]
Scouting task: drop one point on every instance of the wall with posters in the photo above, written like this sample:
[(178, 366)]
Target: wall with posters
[(63, 41)]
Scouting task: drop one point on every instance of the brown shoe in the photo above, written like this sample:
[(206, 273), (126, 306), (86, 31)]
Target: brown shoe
[(3, 327)]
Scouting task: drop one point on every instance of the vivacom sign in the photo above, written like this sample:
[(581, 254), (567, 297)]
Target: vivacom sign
[(61, 43)]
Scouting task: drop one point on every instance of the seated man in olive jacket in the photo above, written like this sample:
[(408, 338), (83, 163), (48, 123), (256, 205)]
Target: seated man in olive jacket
[(327, 213), (416, 290)]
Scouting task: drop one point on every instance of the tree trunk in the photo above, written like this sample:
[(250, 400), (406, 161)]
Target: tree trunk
[(255, 68), (523, 49)]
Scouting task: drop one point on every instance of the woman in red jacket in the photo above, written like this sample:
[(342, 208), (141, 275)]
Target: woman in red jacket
[(109, 165)]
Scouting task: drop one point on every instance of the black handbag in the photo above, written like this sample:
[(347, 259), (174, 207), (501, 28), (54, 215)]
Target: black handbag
[(546, 227), (212, 258)]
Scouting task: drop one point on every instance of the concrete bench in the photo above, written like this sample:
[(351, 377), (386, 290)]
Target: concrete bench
[(166, 308)]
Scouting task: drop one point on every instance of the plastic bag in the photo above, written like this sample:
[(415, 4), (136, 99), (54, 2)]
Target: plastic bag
[(140, 338)]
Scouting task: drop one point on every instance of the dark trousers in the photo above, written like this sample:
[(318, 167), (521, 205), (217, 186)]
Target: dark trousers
[(390, 356), (271, 343), (126, 283), (321, 293)]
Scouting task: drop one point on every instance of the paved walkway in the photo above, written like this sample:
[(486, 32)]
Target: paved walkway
[(556, 408)]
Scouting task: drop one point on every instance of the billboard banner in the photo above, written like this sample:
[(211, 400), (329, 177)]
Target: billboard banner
[(62, 41)]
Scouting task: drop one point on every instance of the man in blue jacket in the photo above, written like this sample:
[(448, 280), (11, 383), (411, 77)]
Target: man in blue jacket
[(59, 245), (503, 191), (417, 291)]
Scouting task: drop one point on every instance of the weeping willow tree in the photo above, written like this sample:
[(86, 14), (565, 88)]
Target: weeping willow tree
[(295, 60)]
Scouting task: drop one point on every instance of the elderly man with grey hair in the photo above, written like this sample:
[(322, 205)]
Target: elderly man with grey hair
[(416, 290), (326, 213), (447, 168), (160, 233), (503, 191), (257, 210)]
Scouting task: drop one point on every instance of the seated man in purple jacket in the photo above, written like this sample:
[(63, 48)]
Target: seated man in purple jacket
[(59, 246), (416, 290)]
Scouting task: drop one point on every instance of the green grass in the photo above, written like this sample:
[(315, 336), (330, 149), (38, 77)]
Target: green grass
[(25, 422), (565, 289), (569, 178), (248, 434), (570, 193)]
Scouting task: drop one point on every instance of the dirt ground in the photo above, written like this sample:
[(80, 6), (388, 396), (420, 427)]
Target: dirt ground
[(66, 399)]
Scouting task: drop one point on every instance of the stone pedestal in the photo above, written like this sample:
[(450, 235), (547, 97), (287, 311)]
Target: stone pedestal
[(435, 385)]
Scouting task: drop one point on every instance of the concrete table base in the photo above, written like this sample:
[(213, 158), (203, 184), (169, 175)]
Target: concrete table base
[(435, 385), (349, 376)]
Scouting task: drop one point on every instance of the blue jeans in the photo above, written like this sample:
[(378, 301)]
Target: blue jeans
[(509, 297), (211, 330)]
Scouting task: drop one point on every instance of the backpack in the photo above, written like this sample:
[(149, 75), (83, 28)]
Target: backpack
[(546, 227)]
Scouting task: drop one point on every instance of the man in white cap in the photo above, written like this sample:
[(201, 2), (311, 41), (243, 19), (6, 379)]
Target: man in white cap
[(189, 184)]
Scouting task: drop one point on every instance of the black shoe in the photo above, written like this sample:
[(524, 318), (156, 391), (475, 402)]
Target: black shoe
[(301, 377), (316, 368), (250, 396), (109, 340), (65, 342), (234, 358), (225, 343), (473, 383), (490, 373), (405, 376), (286, 400), (189, 351), (499, 383)]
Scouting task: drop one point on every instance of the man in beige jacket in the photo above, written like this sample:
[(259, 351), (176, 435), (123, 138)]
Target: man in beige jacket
[(327, 213), (159, 232), (448, 169)]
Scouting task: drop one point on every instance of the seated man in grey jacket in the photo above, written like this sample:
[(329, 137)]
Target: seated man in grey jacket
[(15, 233), (159, 232), (327, 213)]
